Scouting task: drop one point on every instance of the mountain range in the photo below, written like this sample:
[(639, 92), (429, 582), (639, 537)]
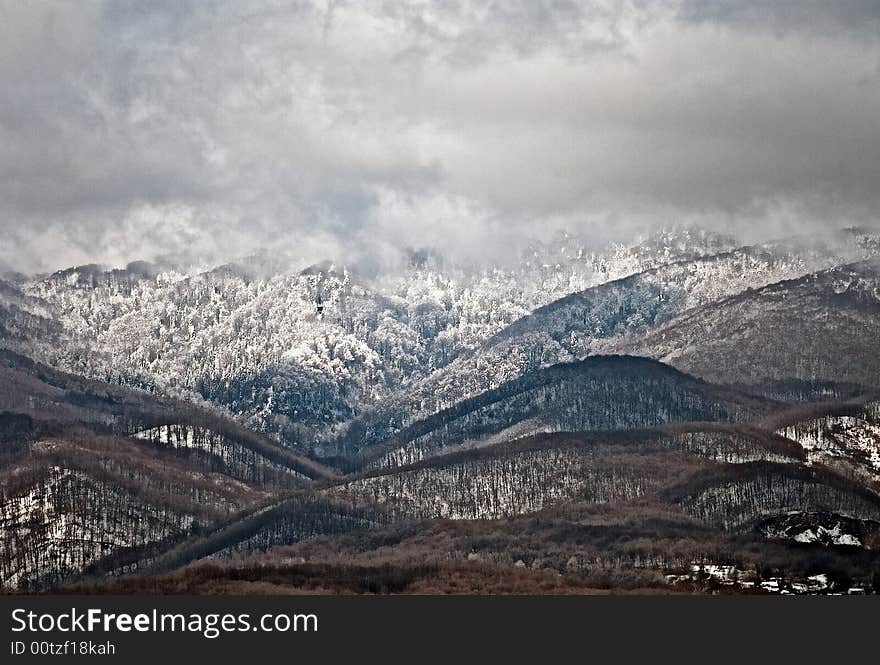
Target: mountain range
[(684, 413)]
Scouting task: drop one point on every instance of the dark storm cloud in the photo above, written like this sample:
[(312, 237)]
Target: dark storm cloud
[(787, 15), (199, 130)]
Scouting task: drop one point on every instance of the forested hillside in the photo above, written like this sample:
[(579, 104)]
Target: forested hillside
[(600, 393), (89, 478), (604, 318), (822, 327), (300, 352), (682, 414)]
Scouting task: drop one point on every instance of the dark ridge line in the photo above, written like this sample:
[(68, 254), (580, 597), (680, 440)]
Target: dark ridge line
[(797, 413), (542, 377), (167, 411), (234, 530), (725, 473), (249, 439), (585, 439), (162, 555)]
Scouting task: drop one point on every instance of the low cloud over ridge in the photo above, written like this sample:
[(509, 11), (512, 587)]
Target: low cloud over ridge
[(196, 131)]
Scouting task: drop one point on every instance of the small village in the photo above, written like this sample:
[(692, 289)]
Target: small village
[(722, 579)]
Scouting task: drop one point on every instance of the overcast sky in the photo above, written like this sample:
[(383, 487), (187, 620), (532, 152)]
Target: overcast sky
[(202, 130)]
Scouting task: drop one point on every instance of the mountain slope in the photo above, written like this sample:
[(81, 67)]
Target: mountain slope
[(300, 352), (592, 321), (95, 476), (599, 393), (821, 327), (540, 470)]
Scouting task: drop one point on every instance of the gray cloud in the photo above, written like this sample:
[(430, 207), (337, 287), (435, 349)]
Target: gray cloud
[(200, 130), (786, 16)]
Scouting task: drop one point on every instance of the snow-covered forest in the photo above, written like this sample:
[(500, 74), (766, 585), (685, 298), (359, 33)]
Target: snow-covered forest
[(710, 402)]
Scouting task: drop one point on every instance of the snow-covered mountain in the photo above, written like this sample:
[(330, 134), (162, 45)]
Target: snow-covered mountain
[(192, 415), (300, 352), (319, 355), (823, 327), (600, 320)]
